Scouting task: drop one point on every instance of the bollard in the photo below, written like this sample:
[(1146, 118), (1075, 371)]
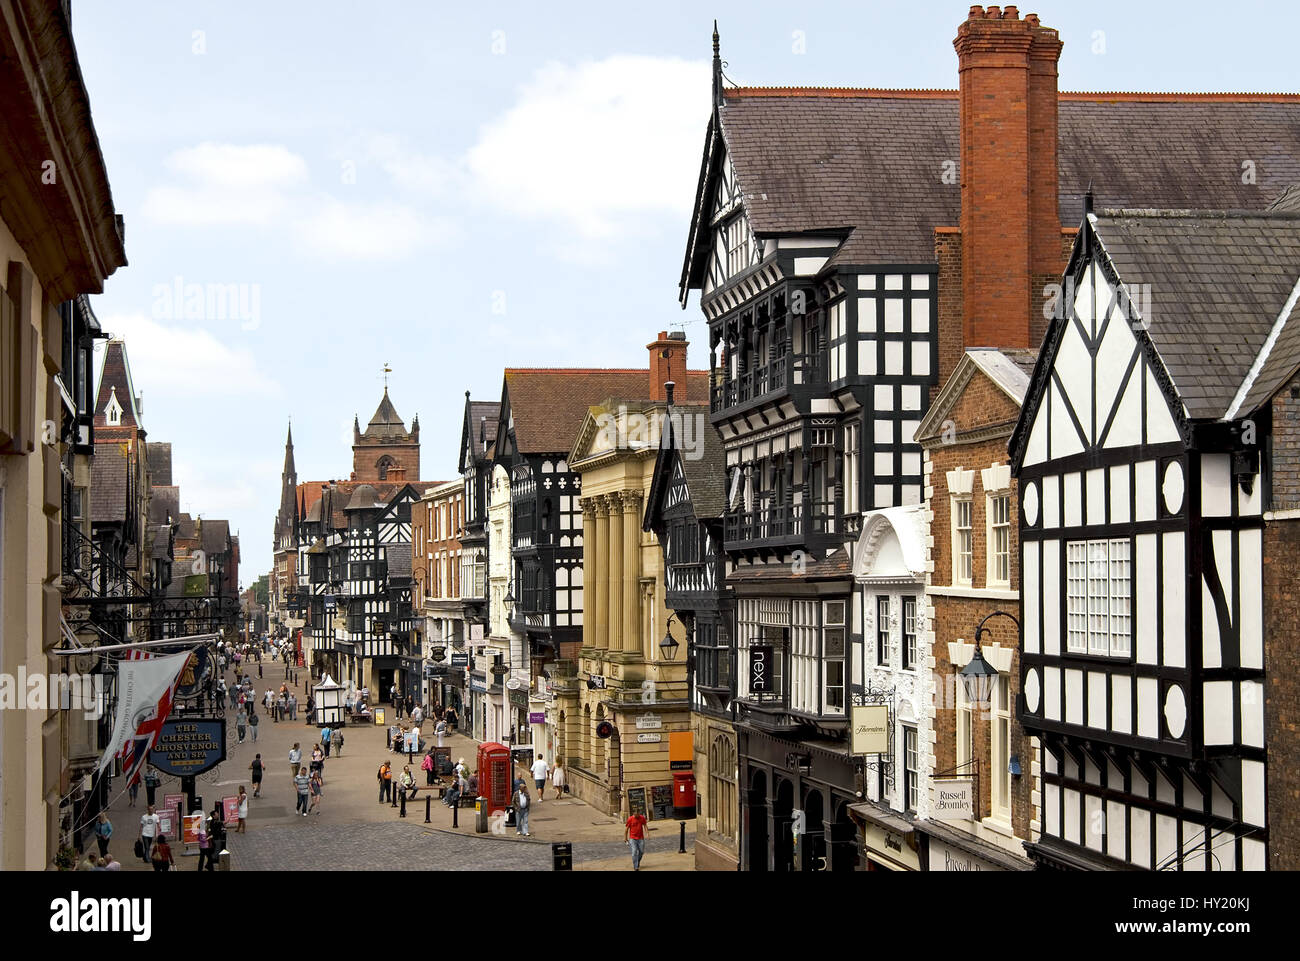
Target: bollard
[(392, 793), (480, 815), (403, 814), (223, 860), (426, 810), (681, 847), (455, 814)]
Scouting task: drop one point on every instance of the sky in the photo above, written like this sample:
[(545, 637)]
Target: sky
[(313, 191)]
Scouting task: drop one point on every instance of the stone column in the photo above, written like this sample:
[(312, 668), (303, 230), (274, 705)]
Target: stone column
[(599, 582), (613, 572), (588, 568), (631, 571)]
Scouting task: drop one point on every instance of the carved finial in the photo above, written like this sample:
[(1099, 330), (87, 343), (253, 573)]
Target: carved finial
[(717, 67)]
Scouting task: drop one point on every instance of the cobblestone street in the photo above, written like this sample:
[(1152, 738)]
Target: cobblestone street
[(353, 831)]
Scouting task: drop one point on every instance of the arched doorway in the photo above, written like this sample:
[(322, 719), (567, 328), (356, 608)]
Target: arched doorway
[(812, 846), (842, 841), (755, 853)]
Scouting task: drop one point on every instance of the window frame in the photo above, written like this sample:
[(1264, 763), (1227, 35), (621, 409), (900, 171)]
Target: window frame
[(884, 638), (911, 768), (909, 648), (1099, 594), (997, 512), (963, 555)]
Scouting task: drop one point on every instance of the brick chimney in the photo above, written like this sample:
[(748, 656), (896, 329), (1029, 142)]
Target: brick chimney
[(668, 362), (1010, 228)]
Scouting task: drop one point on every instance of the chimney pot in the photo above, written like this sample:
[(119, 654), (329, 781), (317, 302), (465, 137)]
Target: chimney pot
[(668, 391), (1031, 19), (976, 12), (1010, 13), (993, 13)]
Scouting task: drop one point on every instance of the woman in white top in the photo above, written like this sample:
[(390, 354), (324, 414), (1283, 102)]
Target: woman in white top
[(557, 778)]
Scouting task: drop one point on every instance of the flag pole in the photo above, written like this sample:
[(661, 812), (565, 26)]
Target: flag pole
[(170, 641)]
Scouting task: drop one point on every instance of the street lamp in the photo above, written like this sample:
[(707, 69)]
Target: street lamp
[(979, 676), (668, 646)]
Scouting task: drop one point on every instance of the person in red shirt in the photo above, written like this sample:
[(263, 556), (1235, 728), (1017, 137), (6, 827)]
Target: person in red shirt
[(634, 835)]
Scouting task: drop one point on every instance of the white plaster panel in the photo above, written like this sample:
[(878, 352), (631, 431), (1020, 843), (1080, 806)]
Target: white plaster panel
[(1095, 484), (1216, 485), (1218, 712), (1051, 600), (1097, 700), (1161, 428), (1145, 598), (1029, 592), (1094, 821), (1252, 713), (1252, 792), (1051, 501), (1065, 439), (1072, 500), (1052, 693), (867, 314), (1175, 600), (1073, 696), (1052, 810), (1148, 707), (1251, 628), (1121, 703), (1140, 844), (1072, 816)]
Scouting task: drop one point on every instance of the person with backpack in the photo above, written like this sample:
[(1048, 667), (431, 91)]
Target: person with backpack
[(256, 768), (161, 856), (385, 782), (522, 803), (326, 735)]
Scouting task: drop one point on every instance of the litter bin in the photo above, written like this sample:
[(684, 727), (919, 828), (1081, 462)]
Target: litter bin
[(480, 815), (562, 856)]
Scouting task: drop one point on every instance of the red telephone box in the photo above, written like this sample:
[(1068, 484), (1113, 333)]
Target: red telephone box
[(683, 795), (494, 776)]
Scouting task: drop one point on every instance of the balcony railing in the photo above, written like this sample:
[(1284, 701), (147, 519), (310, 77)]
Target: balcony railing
[(786, 371), (783, 521)]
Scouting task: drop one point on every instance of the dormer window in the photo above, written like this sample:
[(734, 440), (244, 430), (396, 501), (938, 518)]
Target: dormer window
[(113, 410)]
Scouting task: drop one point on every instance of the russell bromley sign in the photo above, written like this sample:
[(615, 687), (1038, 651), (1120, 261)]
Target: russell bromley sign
[(952, 799)]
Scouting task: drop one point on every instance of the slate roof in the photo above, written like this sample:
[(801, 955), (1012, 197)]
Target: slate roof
[(549, 405), (483, 417), (162, 501), (703, 459), (161, 549), (214, 535), (185, 528), (1220, 283), (108, 484), (159, 457), (839, 564), (115, 377), (399, 559), (871, 161), (1011, 368)]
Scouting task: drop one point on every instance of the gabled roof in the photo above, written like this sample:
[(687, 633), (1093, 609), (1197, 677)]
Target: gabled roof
[(1223, 285), (1011, 369), (215, 535), (479, 429), (547, 405), (702, 458), (115, 380), (164, 501), (868, 163)]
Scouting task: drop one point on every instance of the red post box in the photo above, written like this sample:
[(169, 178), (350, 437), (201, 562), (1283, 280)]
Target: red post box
[(683, 795), (494, 775)]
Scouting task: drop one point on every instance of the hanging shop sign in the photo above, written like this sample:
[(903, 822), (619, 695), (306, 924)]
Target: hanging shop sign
[(760, 669), (460, 660), (536, 717), (189, 747), (869, 726), (438, 653), (196, 674), (518, 699), (952, 799)]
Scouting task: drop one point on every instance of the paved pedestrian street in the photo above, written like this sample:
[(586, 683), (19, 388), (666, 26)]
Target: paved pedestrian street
[(354, 832)]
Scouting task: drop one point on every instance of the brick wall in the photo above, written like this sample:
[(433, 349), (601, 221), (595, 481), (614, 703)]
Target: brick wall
[(1282, 692), (982, 404), (947, 253), (1286, 448)]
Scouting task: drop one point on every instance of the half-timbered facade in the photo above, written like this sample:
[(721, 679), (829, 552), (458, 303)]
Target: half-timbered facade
[(684, 509), (1141, 501)]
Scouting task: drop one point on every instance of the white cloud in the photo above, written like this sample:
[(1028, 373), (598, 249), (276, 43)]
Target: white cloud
[(381, 231), (409, 169), (229, 185), (599, 145), (182, 363)]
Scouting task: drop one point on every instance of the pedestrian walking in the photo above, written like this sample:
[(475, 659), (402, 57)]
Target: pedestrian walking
[(252, 723), (558, 779), (149, 824), (162, 855), (133, 791), (221, 694), (522, 804), (417, 716), (451, 719), (259, 667), (303, 783), (385, 782), (317, 785), (217, 827), (427, 766), (103, 831), (326, 735), (268, 699), (205, 848), (243, 809), (440, 729), (151, 782), (318, 761), (295, 759), (540, 770), (634, 835), (293, 708), (256, 768), (241, 723), (410, 703), (337, 741)]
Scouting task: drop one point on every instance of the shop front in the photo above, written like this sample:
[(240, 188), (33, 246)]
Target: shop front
[(944, 848), (889, 839)]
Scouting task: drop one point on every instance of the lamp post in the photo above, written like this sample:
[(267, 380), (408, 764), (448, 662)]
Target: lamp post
[(668, 646), (978, 677)]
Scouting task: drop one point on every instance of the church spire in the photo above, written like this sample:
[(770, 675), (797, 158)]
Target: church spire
[(289, 469)]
